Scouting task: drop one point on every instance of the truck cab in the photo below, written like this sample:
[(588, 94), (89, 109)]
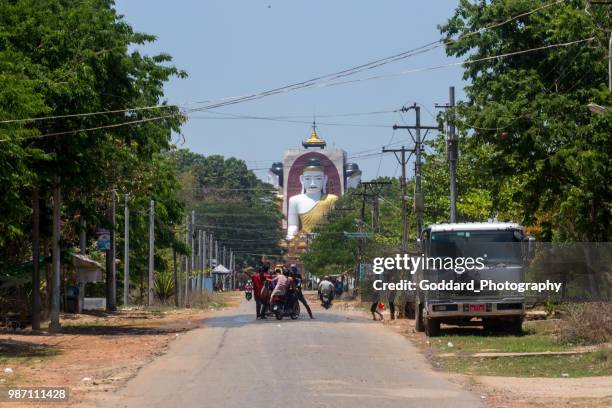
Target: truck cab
[(502, 249)]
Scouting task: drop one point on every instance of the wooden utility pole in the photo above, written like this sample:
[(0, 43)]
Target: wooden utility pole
[(151, 252)]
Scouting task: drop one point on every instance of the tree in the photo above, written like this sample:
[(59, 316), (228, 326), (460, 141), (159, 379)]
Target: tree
[(74, 57), (229, 201), (526, 119)]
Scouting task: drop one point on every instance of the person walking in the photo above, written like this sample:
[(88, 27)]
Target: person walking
[(259, 280), (297, 277)]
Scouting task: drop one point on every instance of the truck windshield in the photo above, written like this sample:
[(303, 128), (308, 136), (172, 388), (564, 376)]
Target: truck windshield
[(496, 247)]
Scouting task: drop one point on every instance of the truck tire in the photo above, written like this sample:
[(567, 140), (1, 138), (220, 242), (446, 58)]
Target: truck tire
[(516, 326), (418, 318), (432, 327)]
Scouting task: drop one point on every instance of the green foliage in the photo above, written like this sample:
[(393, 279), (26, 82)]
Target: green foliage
[(164, 286), (541, 157), (59, 57), (230, 202)]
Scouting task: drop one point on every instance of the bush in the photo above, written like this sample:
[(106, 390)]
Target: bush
[(587, 323), (164, 286)]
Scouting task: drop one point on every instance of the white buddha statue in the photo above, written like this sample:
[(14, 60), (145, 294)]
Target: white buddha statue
[(352, 175), (306, 210)]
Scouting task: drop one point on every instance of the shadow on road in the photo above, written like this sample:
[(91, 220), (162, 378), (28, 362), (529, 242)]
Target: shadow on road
[(239, 320)]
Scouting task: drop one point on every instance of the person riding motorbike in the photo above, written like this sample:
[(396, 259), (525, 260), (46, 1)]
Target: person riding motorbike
[(326, 288), (284, 291)]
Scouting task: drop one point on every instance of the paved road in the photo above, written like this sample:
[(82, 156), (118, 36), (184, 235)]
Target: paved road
[(337, 360)]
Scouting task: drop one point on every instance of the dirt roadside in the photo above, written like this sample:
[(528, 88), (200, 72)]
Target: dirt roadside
[(515, 392), (94, 354)]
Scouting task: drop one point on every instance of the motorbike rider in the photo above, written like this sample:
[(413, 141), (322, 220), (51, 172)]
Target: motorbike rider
[(326, 287), (297, 278)]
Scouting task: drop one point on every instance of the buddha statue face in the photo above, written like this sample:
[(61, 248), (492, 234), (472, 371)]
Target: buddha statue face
[(313, 182)]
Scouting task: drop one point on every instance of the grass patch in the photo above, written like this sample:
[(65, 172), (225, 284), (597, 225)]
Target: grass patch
[(580, 365), (535, 338)]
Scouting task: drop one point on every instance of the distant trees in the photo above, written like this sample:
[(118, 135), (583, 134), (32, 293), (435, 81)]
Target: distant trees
[(241, 211)]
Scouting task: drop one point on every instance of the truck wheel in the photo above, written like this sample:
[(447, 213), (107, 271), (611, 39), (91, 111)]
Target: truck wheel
[(432, 327), (491, 325), (516, 326), (418, 318)]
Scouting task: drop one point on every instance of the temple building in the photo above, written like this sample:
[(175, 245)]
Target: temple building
[(310, 180)]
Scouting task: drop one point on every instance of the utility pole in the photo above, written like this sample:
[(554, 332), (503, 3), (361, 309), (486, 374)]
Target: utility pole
[(201, 266), (364, 195), (35, 260), (217, 251), (193, 246), (197, 243), (177, 279), (54, 325), (111, 266), (151, 251), (419, 202), (205, 258), (403, 161), (126, 253), (210, 253), (231, 262), (187, 263), (452, 153)]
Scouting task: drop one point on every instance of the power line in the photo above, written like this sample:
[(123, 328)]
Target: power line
[(234, 116), (114, 125), (350, 71)]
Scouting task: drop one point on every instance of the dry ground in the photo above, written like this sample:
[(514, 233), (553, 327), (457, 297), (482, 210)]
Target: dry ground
[(95, 353), (514, 392)]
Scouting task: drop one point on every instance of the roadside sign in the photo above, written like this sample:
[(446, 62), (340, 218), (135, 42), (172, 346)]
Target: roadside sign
[(104, 240)]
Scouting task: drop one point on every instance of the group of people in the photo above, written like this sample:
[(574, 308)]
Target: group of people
[(285, 280)]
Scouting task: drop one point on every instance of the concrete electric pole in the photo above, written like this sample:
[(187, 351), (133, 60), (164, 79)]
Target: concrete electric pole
[(126, 253), (151, 251), (419, 202), (452, 152)]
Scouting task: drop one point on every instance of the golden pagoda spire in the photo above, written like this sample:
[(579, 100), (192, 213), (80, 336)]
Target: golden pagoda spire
[(314, 140)]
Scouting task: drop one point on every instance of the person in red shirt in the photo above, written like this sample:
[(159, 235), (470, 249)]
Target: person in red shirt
[(259, 279)]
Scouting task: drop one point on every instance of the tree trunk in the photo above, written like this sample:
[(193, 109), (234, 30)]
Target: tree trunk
[(35, 258), (54, 326)]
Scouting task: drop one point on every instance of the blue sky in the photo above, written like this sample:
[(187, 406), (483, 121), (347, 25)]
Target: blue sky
[(232, 47)]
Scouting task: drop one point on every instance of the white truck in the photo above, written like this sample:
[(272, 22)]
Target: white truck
[(503, 249)]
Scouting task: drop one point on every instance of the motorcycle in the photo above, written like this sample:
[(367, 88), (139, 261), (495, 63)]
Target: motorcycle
[(326, 300), (248, 294), (285, 306)]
